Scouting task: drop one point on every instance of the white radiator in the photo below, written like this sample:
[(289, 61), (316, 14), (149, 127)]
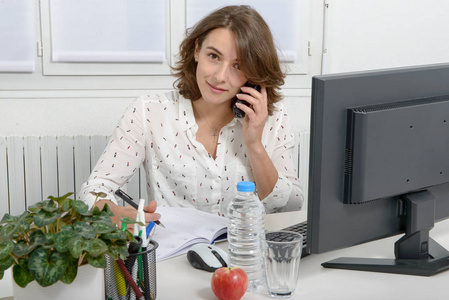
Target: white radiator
[(32, 168)]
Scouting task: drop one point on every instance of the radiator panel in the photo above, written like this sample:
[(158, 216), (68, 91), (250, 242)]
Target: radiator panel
[(34, 167)]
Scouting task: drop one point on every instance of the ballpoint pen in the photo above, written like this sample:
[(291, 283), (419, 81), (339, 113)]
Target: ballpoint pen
[(129, 278), (134, 248), (141, 218), (120, 281), (150, 229), (125, 197)]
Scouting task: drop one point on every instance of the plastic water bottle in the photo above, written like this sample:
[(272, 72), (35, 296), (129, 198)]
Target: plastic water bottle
[(246, 222)]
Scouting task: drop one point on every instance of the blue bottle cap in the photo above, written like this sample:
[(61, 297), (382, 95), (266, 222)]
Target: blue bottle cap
[(246, 186)]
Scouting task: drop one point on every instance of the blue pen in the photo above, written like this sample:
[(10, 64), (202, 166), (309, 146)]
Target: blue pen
[(150, 228)]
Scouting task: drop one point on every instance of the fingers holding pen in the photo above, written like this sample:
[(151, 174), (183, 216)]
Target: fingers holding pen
[(128, 211), (150, 214)]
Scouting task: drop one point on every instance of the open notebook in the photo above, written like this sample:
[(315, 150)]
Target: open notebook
[(184, 228)]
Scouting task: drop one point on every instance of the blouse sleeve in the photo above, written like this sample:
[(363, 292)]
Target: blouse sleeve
[(287, 194), (122, 157)]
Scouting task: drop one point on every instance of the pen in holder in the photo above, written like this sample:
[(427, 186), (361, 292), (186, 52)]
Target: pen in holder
[(121, 282)]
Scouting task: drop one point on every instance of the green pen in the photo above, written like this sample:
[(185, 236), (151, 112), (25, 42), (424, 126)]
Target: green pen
[(139, 264)]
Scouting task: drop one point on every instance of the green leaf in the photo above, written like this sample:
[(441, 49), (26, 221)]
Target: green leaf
[(77, 245), (86, 231), (79, 206), (123, 251), (70, 272), (43, 218), (6, 262), (102, 218), (118, 248), (21, 273), (49, 236), (9, 230), (96, 211), (128, 220), (117, 235), (1, 274), (120, 243), (88, 213), (99, 194), (130, 236), (113, 253), (107, 210), (36, 207), (21, 248), (49, 206), (38, 237), (67, 205), (66, 227), (7, 218), (6, 247), (62, 199), (62, 239), (65, 219), (98, 261), (98, 247), (103, 228), (47, 268), (25, 221)]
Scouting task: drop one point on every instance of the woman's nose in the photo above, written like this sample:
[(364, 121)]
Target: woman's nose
[(221, 73)]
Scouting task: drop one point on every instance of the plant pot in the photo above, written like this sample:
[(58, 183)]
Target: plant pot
[(88, 284)]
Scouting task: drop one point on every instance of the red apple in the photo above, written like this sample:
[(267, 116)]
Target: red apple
[(229, 283)]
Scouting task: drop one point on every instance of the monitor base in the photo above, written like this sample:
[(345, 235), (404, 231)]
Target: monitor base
[(438, 262)]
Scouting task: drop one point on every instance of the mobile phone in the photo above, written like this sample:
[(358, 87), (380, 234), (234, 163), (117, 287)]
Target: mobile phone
[(238, 113)]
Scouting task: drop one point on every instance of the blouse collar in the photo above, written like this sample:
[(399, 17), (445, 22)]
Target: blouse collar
[(186, 116)]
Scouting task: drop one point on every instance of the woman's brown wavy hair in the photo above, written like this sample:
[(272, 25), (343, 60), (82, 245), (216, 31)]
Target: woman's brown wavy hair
[(256, 51)]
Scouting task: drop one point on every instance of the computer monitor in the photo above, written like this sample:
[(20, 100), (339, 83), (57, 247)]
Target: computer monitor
[(379, 165)]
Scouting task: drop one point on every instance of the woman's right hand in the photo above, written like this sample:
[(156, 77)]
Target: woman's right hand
[(128, 211)]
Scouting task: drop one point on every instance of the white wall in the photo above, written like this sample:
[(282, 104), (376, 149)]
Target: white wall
[(60, 116), (353, 35), (92, 115), (36, 104), (378, 34)]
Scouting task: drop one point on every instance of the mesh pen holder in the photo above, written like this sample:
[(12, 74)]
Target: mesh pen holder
[(140, 267)]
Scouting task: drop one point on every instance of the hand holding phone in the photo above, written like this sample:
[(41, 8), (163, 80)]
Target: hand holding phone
[(238, 113)]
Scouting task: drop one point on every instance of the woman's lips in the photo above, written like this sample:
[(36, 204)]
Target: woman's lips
[(216, 90)]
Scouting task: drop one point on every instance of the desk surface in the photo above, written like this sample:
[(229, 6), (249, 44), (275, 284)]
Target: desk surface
[(176, 279)]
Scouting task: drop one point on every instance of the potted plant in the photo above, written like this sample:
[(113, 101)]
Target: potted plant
[(49, 241)]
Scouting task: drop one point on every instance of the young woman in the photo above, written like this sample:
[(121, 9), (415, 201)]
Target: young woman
[(193, 148)]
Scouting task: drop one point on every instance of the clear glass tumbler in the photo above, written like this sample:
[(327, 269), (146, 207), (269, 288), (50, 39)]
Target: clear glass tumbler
[(281, 251)]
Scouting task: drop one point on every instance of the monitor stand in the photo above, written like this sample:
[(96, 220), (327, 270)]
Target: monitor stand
[(416, 253)]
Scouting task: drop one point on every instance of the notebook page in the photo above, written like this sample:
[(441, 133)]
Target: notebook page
[(185, 227)]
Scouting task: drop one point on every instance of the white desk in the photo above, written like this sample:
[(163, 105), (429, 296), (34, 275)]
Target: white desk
[(177, 279)]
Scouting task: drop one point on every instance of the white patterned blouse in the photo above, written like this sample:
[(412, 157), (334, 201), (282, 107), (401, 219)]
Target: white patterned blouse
[(159, 130)]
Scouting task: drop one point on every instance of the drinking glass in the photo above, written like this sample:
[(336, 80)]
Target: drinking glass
[(281, 251)]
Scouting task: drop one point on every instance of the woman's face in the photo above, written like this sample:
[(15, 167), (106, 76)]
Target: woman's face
[(218, 74)]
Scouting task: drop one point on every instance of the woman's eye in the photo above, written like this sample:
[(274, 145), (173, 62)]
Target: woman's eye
[(237, 66), (213, 56)]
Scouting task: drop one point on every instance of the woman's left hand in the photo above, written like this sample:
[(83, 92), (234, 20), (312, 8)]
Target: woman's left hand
[(255, 115)]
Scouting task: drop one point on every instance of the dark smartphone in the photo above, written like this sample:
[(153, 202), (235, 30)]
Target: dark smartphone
[(238, 113)]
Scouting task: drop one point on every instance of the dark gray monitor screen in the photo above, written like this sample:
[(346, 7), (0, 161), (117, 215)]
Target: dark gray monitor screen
[(379, 143)]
